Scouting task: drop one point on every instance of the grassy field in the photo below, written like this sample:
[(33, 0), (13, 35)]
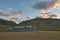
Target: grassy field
[(42, 35)]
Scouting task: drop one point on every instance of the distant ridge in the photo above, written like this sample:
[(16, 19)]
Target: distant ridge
[(43, 24), (6, 22)]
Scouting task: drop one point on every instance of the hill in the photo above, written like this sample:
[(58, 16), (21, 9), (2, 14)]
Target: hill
[(5, 24), (43, 24), (38, 24)]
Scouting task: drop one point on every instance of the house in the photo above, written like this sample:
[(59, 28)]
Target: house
[(23, 28)]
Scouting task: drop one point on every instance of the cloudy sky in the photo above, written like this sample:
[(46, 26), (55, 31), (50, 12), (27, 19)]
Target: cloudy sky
[(24, 9)]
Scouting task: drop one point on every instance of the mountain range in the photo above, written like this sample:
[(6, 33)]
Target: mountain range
[(37, 23), (43, 24)]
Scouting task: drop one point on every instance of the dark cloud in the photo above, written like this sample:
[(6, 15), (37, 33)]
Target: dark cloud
[(11, 14), (47, 4)]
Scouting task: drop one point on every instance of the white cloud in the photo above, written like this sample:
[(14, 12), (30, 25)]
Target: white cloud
[(29, 18), (1, 10), (10, 8)]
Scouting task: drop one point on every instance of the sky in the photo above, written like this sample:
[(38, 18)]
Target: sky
[(25, 7), (18, 5)]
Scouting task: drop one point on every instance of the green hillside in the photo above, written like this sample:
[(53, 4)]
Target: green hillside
[(5, 24), (43, 24), (38, 24)]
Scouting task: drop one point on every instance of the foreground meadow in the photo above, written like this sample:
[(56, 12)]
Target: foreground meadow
[(42, 35)]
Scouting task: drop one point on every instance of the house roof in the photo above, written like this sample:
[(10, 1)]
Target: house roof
[(23, 26)]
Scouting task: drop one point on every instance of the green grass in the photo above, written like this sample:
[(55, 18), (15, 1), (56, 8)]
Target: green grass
[(42, 35)]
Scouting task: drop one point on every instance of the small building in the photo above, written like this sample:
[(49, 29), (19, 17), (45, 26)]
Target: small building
[(23, 28)]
